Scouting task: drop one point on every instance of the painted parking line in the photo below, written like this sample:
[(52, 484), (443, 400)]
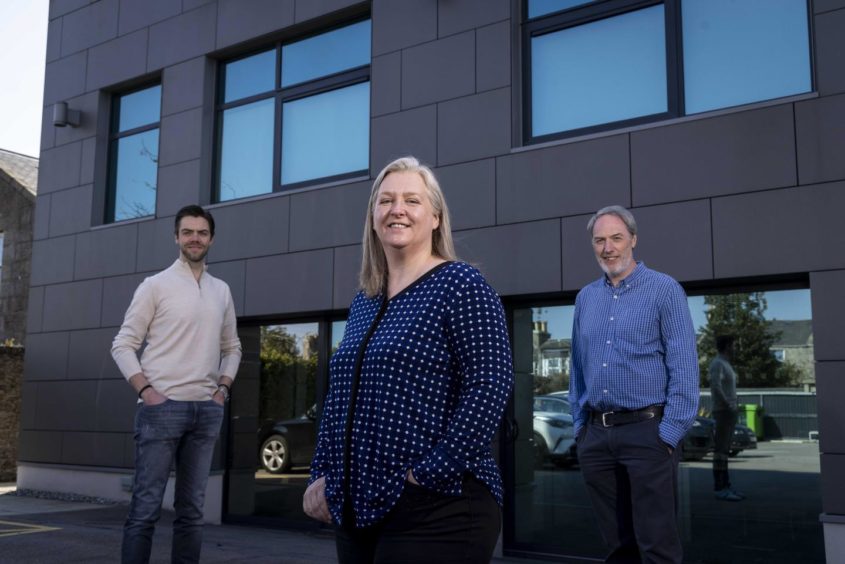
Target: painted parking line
[(11, 529)]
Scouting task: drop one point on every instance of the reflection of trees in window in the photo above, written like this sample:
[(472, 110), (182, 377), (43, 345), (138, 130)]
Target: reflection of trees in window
[(288, 373), (132, 208), (742, 316)]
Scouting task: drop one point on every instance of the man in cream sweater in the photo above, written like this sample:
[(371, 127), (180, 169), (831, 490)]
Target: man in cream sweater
[(183, 378)]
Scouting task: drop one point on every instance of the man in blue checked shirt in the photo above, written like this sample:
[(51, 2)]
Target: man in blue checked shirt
[(634, 393)]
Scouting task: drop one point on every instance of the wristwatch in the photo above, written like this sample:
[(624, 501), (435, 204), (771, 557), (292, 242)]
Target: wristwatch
[(224, 389)]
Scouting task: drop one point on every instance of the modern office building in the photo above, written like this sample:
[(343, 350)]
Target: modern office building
[(719, 123)]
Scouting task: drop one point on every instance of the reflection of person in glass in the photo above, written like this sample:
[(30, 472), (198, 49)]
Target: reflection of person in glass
[(633, 392), (723, 394), (418, 385)]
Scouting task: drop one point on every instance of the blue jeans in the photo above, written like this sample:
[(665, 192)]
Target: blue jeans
[(183, 432)]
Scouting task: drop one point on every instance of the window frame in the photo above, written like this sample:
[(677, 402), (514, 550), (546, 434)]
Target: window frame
[(280, 95)]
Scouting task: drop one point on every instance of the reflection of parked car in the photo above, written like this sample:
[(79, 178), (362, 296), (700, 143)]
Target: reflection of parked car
[(743, 437), (554, 437), (289, 442)]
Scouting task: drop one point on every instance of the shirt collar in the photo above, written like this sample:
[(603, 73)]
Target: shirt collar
[(182, 263), (628, 280)]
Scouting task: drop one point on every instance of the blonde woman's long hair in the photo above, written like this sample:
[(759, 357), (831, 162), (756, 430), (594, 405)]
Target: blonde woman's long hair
[(373, 276)]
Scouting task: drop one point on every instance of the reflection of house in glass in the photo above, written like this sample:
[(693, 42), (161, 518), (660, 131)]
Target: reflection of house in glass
[(551, 356), (795, 345)]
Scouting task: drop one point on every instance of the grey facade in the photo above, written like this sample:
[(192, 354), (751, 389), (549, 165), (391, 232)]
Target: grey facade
[(746, 195)]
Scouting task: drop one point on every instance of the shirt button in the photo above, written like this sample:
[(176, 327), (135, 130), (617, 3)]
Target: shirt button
[(605, 391), (611, 319), (608, 342), (605, 365), (615, 297)]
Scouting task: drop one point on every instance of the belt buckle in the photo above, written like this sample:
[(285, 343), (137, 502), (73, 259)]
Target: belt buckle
[(604, 422)]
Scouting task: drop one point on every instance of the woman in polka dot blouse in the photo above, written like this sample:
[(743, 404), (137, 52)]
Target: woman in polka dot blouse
[(403, 466)]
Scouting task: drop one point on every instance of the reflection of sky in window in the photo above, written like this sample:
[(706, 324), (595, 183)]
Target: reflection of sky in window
[(299, 331), (741, 52), (325, 54), (601, 72), (135, 177), (140, 108), (250, 76), (338, 327), (326, 134), (540, 7), (246, 162)]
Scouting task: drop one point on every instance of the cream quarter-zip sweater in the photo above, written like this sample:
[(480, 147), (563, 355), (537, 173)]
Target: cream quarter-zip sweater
[(190, 329)]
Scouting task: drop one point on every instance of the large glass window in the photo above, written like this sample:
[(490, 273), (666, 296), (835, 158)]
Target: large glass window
[(774, 454), (133, 154), (597, 65), (295, 114)]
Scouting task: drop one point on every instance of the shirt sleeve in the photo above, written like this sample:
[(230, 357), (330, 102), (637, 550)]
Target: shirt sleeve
[(479, 344), (320, 460), (681, 358), (715, 374), (576, 375), (132, 333), (230, 344)]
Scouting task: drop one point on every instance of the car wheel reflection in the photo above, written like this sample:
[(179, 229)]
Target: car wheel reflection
[(275, 455)]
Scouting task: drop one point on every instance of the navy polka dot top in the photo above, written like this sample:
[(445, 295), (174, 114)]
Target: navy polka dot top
[(419, 381)]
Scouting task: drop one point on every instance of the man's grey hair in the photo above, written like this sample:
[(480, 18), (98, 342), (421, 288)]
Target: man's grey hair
[(620, 212)]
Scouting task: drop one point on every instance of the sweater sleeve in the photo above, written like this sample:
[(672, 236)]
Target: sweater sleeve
[(230, 344), (132, 333)]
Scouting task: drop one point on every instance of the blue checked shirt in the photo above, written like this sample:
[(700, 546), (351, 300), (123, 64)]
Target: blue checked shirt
[(634, 346)]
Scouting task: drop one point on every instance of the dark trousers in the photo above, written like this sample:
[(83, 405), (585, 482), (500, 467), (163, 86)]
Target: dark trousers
[(725, 423), (632, 481), (425, 527)]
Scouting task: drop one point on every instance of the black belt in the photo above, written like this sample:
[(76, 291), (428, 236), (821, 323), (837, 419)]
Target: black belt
[(613, 418)]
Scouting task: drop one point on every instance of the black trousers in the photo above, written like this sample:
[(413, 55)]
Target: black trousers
[(725, 423), (632, 480), (425, 527)]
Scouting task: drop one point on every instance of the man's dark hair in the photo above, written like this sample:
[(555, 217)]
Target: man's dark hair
[(194, 211), (724, 342)]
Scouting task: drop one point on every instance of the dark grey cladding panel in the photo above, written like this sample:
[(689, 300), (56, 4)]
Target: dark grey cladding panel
[(88, 106), (828, 314), (251, 229), (117, 294), (135, 15), (65, 78), (328, 218), (470, 191), (234, 274), (183, 37), (67, 406), (188, 5), (474, 127), (830, 52), (438, 70), (833, 494), (563, 180), (62, 7), (118, 60), (116, 410), (182, 86), (729, 154), (106, 252), (240, 20), (157, 247), (821, 138), (516, 259), (39, 446), (830, 389), (73, 306), (827, 5), (791, 230), (579, 263), (35, 309), (89, 356), (41, 217), (46, 356), (89, 26), (29, 391), (70, 211), (92, 449), (59, 168), (386, 84), (413, 132), (453, 17), (54, 40), (308, 9), (52, 260), (347, 265), (48, 130), (86, 168), (181, 137), (178, 186), (397, 25), (493, 56), (675, 239), (290, 283)]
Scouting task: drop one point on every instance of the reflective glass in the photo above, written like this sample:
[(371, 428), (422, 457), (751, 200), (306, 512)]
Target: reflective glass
[(139, 108), (246, 151), (741, 52), (542, 7), (136, 168), (605, 71), (326, 134), (325, 54), (250, 76)]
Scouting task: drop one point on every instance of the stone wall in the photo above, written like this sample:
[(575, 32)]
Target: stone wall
[(11, 375), (16, 207)]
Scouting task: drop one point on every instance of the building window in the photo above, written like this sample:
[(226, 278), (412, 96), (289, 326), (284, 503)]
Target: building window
[(295, 114), (133, 154), (600, 65)]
